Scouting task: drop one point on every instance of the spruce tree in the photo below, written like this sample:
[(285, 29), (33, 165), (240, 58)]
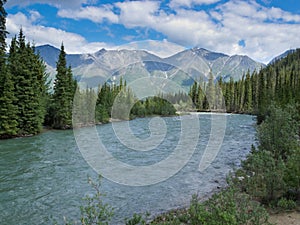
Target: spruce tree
[(248, 94), (211, 92), (64, 89), (8, 111), (28, 72)]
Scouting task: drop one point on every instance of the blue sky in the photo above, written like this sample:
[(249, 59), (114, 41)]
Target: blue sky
[(260, 29)]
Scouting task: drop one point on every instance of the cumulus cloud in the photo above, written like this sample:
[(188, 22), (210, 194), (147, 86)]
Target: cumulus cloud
[(95, 14), (220, 29), (190, 3), (75, 43), (40, 35), (137, 13), (259, 27), (56, 3)]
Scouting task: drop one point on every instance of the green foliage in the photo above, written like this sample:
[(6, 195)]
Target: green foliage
[(272, 170), (278, 133), (8, 110), (95, 211), (227, 207), (23, 90), (263, 176), (208, 96), (286, 204), (254, 92), (64, 90), (118, 102), (153, 106), (136, 219), (292, 172)]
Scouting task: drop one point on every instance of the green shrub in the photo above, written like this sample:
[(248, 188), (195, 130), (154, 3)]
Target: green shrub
[(137, 219), (263, 177), (286, 204), (229, 207), (95, 211)]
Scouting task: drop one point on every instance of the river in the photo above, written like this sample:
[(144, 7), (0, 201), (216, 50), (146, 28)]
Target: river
[(44, 178)]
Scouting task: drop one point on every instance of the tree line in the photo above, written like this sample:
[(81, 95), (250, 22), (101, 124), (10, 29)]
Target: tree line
[(117, 102), (278, 82)]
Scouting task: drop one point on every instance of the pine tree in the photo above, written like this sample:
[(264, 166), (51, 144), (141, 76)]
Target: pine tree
[(64, 90), (211, 92), (28, 72), (248, 94), (3, 33), (8, 111)]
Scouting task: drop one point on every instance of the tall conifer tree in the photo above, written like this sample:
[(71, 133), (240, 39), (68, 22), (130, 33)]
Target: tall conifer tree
[(28, 72), (8, 111), (64, 90)]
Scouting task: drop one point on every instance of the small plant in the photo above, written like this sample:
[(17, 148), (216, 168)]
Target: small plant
[(137, 219), (286, 204), (95, 211), (227, 207)]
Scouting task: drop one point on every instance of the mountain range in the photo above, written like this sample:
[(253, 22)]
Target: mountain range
[(91, 69), (283, 55)]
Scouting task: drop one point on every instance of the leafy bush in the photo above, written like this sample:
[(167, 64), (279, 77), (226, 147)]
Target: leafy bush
[(263, 176), (286, 204), (271, 170), (94, 212), (278, 133), (229, 207), (137, 219)]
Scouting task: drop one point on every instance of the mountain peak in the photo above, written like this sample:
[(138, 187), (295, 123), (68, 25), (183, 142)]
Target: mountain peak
[(208, 55), (100, 52), (202, 50), (48, 47)]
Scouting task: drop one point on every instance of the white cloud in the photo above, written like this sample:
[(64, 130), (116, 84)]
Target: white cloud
[(40, 35), (95, 14), (75, 43), (137, 13), (220, 29), (258, 26), (190, 3), (56, 3)]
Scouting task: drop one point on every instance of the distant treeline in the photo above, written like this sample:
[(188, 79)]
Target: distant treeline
[(278, 82), (115, 102)]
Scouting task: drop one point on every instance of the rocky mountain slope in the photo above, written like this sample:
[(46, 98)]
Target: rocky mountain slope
[(182, 68)]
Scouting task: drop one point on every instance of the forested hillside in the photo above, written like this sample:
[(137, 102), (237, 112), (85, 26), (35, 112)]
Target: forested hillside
[(278, 82)]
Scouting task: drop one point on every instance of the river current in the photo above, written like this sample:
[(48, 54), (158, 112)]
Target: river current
[(44, 178)]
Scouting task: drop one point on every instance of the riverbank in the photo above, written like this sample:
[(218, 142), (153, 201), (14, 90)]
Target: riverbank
[(285, 218)]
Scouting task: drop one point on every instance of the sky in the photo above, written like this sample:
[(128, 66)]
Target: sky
[(260, 29)]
